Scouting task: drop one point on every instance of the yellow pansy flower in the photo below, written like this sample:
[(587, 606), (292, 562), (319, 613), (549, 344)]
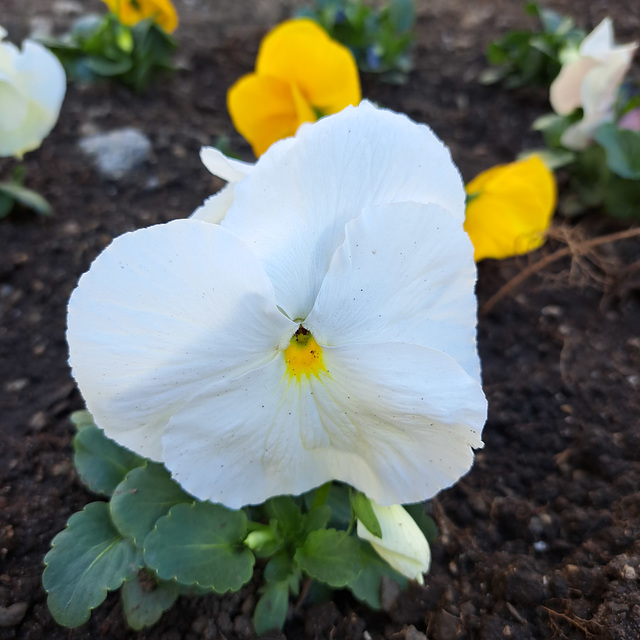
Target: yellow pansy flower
[(130, 12), (509, 208), (301, 74)]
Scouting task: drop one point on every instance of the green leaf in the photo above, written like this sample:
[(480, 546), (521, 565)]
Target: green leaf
[(85, 26), (622, 198), (81, 419), (101, 463), (367, 587), (6, 205), (401, 15), (87, 559), (271, 610), (623, 150), (145, 599), (279, 568), (589, 177), (426, 523), (124, 39), (146, 494), (552, 158), (363, 511), (330, 556), (317, 518), (27, 198), (201, 544), (103, 66), (340, 504), (287, 514)]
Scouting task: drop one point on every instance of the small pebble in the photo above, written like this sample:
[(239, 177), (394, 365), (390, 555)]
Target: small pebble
[(13, 614), (628, 572)]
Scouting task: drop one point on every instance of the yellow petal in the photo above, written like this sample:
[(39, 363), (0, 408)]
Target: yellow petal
[(301, 52), (301, 73), (263, 110), (510, 209), (130, 13)]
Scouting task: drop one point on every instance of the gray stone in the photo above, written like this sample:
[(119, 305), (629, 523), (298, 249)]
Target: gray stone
[(117, 152)]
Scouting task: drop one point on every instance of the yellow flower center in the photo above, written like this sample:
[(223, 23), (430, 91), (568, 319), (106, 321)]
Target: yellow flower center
[(303, 355)]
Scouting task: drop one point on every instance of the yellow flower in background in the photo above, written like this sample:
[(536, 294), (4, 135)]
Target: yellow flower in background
[(509, 208), (130, 12), (301, 75)]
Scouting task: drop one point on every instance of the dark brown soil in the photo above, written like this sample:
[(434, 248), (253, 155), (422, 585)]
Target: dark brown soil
[(539, 541)]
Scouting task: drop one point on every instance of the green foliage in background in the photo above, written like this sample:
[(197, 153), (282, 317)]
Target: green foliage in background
[(522, 58), (100, 47), (13, 193), (605, 175), (380, 39)]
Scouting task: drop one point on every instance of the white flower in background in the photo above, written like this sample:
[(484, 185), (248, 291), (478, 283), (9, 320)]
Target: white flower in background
[(326, 329), (591, 81), (402, 544), (32, 87)]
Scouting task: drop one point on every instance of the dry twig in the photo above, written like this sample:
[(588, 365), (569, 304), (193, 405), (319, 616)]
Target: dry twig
[(574, 249)]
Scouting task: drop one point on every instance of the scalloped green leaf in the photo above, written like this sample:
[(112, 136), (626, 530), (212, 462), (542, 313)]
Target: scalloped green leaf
[(101, 463), (271, 610), (145, 599), (330, 556), (88, 559), (146, 494), (201, 544)]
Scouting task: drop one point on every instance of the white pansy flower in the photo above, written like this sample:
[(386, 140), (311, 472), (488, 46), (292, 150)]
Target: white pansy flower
[(325, 330), (402, 544), (590, 81), (32, 87)]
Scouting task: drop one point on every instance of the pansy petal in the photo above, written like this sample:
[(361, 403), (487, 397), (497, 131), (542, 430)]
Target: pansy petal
[(600, 85), (410, 412), (405, 273), (215, 207), (302, 53), (579, 135), (337, 167), (510, 208), (240, 442), (162, 313), (263, 110), (396, 421), (225, 168), (565, 91), (14, 105), (402, 543), (600, 41), (42, 78)]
